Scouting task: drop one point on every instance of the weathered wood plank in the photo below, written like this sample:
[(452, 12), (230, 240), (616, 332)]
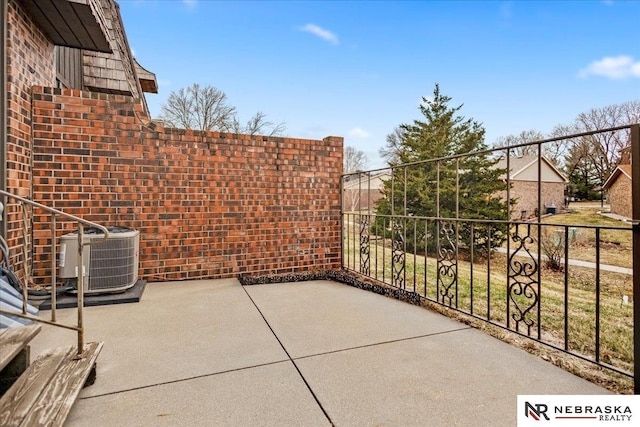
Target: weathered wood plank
[(45, 393), (58, 397), (13, 340), (17, 402)]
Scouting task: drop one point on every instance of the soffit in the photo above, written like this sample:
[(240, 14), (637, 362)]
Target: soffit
[(71, 23)]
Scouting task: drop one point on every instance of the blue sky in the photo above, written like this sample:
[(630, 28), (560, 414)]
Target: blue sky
[(358, 69)]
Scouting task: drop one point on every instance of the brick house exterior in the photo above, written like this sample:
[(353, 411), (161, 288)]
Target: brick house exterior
[(207, 204), (362, 192), (29, 59), (618, 186), (523, 176)]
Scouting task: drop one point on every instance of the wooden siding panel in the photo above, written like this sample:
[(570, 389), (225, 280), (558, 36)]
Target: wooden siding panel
[(69, 67)]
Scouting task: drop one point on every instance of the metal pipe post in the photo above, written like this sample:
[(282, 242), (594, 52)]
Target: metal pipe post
[(54, 279), (80, 287), (635, 202)]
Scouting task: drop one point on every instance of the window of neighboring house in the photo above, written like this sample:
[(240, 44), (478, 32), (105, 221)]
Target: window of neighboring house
[(68, 63)]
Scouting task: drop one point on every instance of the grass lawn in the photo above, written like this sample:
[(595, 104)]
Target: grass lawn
[(615, 245)]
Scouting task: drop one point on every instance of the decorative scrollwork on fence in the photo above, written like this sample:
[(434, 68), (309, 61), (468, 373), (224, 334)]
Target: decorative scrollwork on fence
[(447, 263), (365, 246), (398, 254), (523, 282)]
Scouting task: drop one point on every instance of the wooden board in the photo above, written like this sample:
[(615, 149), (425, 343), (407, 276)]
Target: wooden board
[(13, 340), (58, 398), (25, 392), (45, 393)]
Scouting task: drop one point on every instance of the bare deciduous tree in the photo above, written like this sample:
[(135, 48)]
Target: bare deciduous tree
[(590, 159), (394, 142), (197, 107), (206, 108), (354, 160), (593, 157), (608, 145), (553, 151), (523, 137), (258, 125)]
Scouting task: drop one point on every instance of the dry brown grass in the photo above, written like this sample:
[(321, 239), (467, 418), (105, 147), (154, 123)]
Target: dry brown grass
[(615, 245)]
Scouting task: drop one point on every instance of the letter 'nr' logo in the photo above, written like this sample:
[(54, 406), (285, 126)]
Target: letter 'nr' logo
[(536, 411)]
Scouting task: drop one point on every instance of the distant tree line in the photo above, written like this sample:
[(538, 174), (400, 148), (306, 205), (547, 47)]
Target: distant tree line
[(587, 161), (442, 132)]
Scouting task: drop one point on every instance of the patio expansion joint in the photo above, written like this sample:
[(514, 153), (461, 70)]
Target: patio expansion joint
[(195, 377), (293, 362), (385, 342)]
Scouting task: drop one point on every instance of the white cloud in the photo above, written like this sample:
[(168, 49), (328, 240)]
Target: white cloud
[(321, 32), (613, 67), (358, 133), (190, 3)]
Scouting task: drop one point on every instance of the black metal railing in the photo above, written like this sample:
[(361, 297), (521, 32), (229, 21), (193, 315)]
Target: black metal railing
[(546, 280)]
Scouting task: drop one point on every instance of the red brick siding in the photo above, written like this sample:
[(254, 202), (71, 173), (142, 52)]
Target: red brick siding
[(526, 195), (29, 62), (206, 204), (355, 200), (620, 196)]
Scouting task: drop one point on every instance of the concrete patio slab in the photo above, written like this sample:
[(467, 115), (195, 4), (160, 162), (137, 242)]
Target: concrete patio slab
[(322, 316), (271, 395), (179, 330), (459, 378), (210, 352)]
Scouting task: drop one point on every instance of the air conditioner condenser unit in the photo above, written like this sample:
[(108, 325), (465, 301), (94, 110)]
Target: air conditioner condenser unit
[(108, 265)]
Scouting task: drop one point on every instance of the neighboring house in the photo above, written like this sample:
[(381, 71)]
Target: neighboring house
[(523, 176), (361, 192), (618, 185)]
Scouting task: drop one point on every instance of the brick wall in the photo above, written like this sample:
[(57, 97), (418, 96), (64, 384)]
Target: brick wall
[(355, 200), (620, 196), (526, 195), (206, 204), (29, 62)]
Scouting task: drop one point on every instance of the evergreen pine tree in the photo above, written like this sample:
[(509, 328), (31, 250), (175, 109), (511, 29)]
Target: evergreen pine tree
[(427, 187)]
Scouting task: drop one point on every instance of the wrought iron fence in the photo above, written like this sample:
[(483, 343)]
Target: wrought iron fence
[(565, 284)]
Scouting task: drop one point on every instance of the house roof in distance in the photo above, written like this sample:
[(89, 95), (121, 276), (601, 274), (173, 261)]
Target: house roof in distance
[(621, 170), (520, 165)]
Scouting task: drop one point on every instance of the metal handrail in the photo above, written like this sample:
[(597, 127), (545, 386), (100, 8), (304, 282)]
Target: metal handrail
[(81, 243), (491, 150)]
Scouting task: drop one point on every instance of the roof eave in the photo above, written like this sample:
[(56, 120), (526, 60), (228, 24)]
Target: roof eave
[(71, 23), (147, 79), (614, 177)]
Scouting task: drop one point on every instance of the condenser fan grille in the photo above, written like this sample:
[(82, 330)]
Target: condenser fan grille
[(112, 264), (109, 265)]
